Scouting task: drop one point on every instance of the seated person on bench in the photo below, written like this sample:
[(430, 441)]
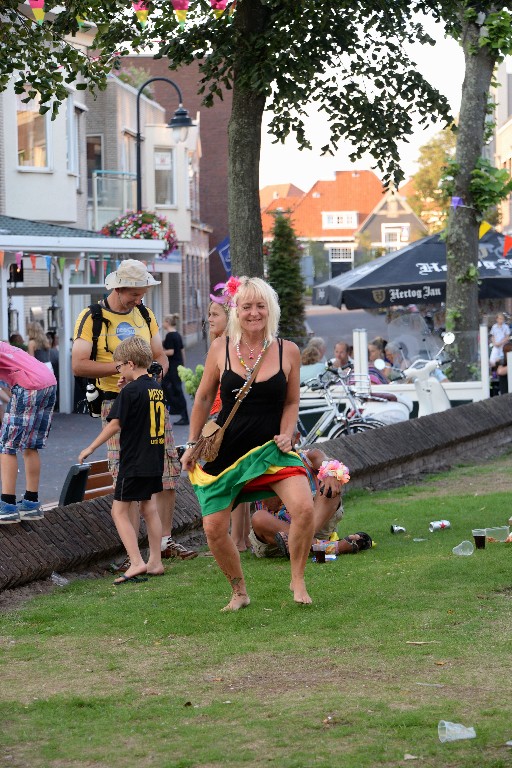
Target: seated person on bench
[(270, 523)]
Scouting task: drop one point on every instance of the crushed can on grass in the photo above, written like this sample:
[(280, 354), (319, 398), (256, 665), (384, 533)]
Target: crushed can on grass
[(397, 529), (438, 525)]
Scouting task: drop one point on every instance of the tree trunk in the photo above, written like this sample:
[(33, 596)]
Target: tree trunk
[(244, 141), (464, 221)]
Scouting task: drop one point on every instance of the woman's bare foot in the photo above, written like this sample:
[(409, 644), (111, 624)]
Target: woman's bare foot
[(237, 601), (300, 593)]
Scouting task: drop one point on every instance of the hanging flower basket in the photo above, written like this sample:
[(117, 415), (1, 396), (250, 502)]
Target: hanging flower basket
[(143, 225)]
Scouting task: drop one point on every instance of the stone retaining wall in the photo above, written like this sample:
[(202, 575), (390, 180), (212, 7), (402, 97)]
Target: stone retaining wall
[(80, 535)]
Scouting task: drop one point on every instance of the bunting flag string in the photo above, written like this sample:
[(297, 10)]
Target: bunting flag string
[(141, 11), (37, 7), (180, 10)]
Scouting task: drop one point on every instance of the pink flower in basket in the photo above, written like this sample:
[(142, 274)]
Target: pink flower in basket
[(335, 469)]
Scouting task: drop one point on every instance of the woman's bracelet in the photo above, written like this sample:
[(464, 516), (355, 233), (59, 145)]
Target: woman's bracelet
[(333, 468), (190, 444)]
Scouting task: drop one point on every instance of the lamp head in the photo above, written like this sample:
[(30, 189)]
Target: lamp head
[(180, 123)]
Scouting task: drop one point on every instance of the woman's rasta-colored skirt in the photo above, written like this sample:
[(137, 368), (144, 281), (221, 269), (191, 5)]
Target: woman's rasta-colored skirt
[(248, 479)]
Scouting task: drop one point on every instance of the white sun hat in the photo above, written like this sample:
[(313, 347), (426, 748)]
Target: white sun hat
[(131, 274)]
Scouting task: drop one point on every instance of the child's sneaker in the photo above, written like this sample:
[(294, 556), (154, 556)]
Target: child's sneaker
[(30, 510), (9, 513)]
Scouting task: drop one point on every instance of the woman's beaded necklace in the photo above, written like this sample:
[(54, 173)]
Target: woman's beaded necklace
[(251, 356)]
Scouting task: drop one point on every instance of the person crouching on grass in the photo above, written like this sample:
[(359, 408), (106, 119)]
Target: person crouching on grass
[(138, 414)]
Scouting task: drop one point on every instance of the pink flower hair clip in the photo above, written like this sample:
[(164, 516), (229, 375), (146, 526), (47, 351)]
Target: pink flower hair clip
[(335, 469), (228, 290)]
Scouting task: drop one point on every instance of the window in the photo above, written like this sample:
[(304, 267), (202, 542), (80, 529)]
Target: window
[(72, 117), (193, 187), (339, 253), (94, 159), (339, 219), (164, 177), (33, 130), (394, 236)]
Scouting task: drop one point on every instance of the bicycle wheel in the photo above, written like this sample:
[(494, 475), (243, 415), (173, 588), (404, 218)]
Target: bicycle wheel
[(355, 426)]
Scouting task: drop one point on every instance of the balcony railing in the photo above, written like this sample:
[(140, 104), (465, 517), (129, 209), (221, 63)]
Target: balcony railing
[(112, 193)]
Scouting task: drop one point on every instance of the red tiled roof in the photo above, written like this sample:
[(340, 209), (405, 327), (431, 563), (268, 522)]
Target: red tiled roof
[(277, 191), (354, 190), (407, 189), (285, 204)]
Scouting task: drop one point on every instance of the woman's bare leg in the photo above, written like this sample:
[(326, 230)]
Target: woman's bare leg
[(149, 512), (295, 493), (216, 528)]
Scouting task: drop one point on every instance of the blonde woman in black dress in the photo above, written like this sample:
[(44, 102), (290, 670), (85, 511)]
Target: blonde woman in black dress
[(256, 459)]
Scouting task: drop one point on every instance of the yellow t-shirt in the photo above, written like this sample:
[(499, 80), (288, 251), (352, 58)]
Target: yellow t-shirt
[(120, 326)]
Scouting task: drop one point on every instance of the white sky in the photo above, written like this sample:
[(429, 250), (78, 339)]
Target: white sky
[(443, 67)]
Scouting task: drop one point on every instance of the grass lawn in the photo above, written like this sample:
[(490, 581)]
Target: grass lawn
[(397, 639)]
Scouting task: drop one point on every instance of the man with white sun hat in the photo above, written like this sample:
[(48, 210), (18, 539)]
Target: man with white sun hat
[(122, 314)]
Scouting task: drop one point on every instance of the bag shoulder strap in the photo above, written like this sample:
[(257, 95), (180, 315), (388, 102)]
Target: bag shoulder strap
[(145, 314)]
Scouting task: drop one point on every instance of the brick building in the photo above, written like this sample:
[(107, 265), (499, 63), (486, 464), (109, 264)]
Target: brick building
[(213, 184)]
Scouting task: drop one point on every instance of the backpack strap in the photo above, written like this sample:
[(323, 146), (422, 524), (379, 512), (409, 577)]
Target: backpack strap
[(97, 322)]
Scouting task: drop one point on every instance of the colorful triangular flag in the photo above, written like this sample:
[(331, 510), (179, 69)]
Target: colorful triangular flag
[(507, 245), (456, 201), (37, 9), (218, 7), (484, 227), (48, 263), (33, 260), (141, 11), (19, 258), (180, 10), (2, 254)]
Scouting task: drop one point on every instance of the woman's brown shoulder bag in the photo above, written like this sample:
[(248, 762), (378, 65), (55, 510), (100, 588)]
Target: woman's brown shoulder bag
[(208, 445)]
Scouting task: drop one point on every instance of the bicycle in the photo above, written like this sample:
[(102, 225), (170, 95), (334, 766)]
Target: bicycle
[(333, 422)]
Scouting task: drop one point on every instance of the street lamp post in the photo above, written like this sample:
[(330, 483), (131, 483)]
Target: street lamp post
[(180, 123)]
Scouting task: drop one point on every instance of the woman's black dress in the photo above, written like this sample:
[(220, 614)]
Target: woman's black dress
[(258, 418)]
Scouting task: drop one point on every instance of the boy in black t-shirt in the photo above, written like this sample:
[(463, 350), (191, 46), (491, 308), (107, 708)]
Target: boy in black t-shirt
[(138, 413)]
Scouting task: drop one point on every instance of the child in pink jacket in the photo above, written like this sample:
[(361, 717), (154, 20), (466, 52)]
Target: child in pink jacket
[(25, 428)]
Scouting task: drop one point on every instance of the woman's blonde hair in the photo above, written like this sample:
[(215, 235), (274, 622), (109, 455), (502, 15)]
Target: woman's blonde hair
[(311, 354), (172, 319), (35, 333), (135, 349), (225, 307), (251, 288)]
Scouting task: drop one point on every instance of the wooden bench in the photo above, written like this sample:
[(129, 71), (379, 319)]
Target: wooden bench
[(86, 481)]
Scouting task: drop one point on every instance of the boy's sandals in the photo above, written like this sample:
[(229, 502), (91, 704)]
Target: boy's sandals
[(358, 545), (281, 539)]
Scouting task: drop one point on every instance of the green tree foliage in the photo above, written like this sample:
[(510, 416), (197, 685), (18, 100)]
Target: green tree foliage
[(429, 201), (285, 276), (347, 59)]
